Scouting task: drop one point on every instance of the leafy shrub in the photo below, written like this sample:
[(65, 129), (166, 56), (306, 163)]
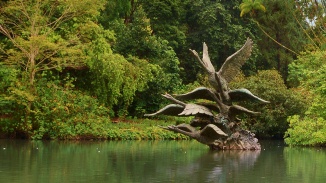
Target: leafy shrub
[(308, 72), (61, 112), (13, 98), (306, 131), (284, 102), (142, 130)]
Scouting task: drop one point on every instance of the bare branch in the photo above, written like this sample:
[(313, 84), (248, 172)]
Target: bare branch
[(11, 36), (46, 58)]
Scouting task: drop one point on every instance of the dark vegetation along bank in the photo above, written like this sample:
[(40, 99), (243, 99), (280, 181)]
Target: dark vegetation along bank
[(69, 69)]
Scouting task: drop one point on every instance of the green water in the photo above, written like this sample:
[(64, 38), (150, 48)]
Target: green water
[(156, 161)]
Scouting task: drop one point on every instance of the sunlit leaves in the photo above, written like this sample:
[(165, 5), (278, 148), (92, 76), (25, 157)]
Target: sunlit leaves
[(38, 38), (309, 131), (250, 6), (115, 78), (33, 29), (309, 72)]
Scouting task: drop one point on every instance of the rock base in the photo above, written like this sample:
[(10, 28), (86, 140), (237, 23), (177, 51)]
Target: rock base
[(240, 140)]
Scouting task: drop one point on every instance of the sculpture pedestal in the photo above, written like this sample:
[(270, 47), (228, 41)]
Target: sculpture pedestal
[(240, 140)]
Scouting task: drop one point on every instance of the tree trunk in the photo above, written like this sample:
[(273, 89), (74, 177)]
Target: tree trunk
[(27, 127)]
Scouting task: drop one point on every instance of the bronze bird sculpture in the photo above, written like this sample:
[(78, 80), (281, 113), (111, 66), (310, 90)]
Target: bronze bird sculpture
[(230, 69), (208, 135), (215, 123), (180, 108)]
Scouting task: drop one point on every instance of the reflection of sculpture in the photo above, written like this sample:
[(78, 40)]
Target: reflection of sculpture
[(218, 165), (221, 130)]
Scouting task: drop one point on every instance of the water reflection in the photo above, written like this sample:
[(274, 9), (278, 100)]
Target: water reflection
[(219, 166), (306, 164), (155, 161)]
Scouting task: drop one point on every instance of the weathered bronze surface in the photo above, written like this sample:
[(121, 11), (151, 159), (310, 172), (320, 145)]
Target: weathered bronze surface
[(215, 123)]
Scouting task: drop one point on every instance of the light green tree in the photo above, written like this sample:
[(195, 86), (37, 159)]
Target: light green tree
[(36, 41), (309, 72)]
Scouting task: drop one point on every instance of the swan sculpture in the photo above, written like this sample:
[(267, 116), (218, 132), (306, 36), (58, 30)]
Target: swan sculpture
[(216, 116)]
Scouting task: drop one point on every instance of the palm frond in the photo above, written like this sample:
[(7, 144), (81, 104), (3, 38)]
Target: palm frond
[(259, 6), (245, 11)]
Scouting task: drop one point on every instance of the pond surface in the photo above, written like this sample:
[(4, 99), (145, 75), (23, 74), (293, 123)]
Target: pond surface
[(156, 161)]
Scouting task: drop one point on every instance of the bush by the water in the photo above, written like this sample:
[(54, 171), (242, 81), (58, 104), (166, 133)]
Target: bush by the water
[(306, 131), (269, 85), (60, 112), (308, 72)]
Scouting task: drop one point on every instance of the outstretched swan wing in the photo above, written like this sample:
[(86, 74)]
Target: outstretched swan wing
[(212, 131), (233, 63), (244, 94), (198, 93), (171, 109)]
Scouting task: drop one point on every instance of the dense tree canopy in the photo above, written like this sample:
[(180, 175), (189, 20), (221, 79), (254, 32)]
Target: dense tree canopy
[(36, 40)]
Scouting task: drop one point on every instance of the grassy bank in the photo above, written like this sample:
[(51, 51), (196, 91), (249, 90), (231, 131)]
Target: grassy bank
[(142, 130), (115, 129)]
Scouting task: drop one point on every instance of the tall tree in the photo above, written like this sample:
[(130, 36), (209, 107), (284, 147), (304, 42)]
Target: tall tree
[(136, 41), (281, 36), (168, 21), (218, 24), (315, 30), (36, 40)]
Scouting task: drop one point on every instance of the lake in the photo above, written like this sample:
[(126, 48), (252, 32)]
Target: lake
[(156, 161)]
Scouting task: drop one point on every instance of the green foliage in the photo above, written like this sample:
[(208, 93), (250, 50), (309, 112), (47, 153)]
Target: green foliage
[(115, 9), (309, 72), (136, 39), (314, 14), (251, 6), (307, 131), (8, 75), (114, 78), (60, 112), (280, 34), (37, 39), (168, 21), (10, 109), (33, 28), (270, 86), (217, 23)]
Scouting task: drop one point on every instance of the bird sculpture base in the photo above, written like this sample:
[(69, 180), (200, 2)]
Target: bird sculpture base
[(216, 139), (240, 140)]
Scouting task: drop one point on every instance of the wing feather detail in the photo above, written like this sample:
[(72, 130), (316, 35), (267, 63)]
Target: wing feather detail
[(198, 93), (171, 110), (236, 109), (213, 131), (206, 60), (194, 109), (244, 94), (232, 65)]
